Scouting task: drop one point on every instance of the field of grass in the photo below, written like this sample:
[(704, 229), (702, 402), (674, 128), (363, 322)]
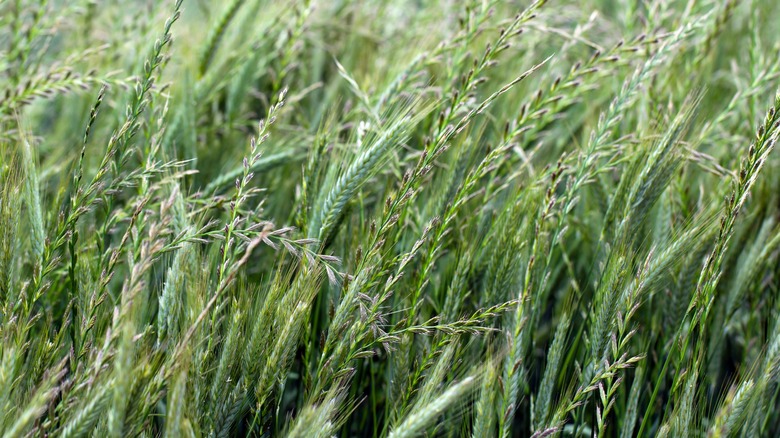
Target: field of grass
[(316, 218)]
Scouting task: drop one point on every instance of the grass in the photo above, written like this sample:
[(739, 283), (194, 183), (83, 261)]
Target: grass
[(341, 218)]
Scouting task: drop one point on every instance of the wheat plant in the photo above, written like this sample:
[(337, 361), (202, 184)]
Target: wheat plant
[(343, 218)]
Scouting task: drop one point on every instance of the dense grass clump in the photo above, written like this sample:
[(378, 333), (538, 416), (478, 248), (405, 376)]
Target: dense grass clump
[(389, 218)]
